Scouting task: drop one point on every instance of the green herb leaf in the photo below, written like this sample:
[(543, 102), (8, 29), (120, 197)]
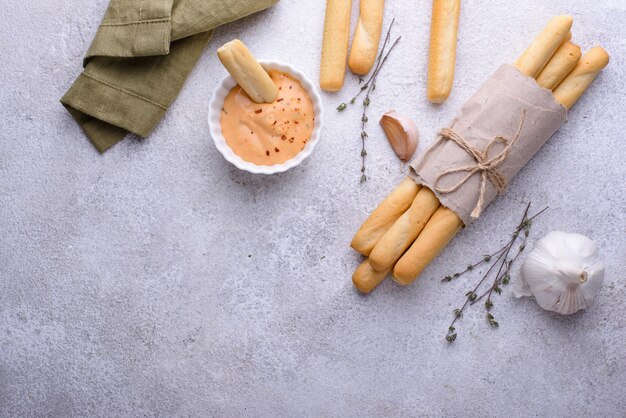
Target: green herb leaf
[(499, 272), (368, 85)]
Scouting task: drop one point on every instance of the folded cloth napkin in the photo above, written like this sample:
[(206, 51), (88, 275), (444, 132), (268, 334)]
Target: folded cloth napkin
[(139, 59)]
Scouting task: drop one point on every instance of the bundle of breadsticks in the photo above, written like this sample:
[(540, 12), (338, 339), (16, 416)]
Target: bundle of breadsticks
[(492, 137), (337, 35)]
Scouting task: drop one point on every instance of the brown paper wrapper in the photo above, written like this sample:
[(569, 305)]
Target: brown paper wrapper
[(496, 109)]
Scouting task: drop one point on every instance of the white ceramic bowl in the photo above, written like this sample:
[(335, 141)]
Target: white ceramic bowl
[(215, 127)]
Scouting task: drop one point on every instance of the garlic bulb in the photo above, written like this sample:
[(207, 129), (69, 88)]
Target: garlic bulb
[(402, 133), (563, 272)]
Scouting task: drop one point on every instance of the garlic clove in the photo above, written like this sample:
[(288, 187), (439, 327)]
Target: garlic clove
[(521, 288), (401, 132), (563, 272)]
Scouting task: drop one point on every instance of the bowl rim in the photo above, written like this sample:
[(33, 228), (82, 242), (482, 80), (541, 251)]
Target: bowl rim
[(215, 127)]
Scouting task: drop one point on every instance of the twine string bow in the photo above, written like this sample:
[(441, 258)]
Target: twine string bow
[(484, 164)]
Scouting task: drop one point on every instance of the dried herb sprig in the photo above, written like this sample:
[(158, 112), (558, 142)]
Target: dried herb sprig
[(368, 88), (500, 259)]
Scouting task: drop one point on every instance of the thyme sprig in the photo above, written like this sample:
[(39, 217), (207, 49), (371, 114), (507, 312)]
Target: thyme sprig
[(368, 88), (500, 259)]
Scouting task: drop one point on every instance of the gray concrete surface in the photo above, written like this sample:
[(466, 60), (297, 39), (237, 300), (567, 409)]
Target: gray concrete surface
[(158, 280)]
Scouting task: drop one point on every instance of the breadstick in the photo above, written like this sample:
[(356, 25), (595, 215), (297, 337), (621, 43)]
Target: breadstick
[(335, 44), (247, 72), (375, 226), (440, 229), (365, 278), (560, 65), (404, 231), (544, 46), (442, 53), (366, 36), (567, 37), (575, 84)]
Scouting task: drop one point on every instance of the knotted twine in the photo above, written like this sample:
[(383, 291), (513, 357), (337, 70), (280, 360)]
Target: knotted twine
[(485, 165)]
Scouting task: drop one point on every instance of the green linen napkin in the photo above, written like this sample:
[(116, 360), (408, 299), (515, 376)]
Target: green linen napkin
[(139, 59)]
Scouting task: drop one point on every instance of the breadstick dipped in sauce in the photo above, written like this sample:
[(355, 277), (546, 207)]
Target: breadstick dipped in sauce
[(442, 51), (366, 36), (247, 72), (335, 44)]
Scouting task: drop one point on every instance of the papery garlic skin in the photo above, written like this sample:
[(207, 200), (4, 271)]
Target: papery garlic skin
[(563, 273), (401, 132)]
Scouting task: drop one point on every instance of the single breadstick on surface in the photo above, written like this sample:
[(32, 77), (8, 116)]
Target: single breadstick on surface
[(560, 65), (537, 55), (440, 229), (366, 36), (247, 72), (375, 226), (575, 84), (335, 44), (442, 51), (365, 278), (403, 232)]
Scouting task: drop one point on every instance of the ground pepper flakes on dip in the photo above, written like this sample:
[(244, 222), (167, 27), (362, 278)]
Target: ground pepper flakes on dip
[(268, 133)]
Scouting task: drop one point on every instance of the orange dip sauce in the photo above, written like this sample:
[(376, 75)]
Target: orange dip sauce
[(268, 133)]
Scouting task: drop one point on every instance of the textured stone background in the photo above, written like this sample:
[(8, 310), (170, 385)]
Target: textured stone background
[(159, 280)]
